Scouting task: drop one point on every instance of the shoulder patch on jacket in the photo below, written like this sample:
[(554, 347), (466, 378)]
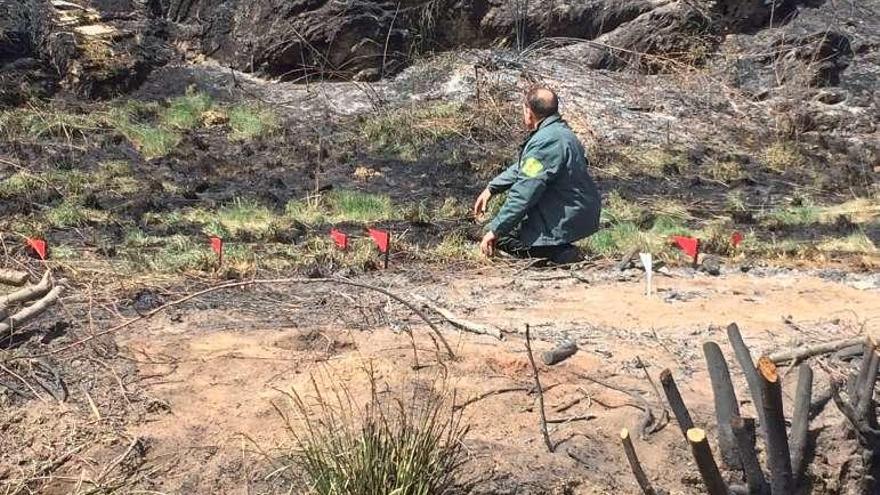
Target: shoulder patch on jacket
[(532, 167)]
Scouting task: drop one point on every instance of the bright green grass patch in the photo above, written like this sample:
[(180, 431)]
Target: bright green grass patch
[(185, 112), (249, 122), (20, 183), (792, 216), (72, 213), (343, 206)]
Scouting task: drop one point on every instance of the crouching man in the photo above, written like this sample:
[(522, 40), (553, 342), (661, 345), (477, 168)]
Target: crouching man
[(551, 199)]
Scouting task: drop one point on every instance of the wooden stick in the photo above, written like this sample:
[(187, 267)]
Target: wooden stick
[(800, 423), (540, 391), (744, 358), (705, 462), (775, 438), (726, 405), (679, 409), (634, 464), (802, 353), (559, 353), (11, 277), (744, 432), (467, 326), (32, 311)]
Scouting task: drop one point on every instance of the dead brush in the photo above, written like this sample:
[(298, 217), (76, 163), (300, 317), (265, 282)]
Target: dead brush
[(407, 444)]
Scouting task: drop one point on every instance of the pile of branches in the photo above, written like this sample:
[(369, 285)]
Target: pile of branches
[(787, 451), (26, 302)]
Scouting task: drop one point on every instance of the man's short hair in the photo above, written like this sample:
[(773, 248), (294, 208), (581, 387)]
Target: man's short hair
[(542, 101)]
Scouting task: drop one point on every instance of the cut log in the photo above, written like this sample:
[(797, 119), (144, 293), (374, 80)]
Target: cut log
[(676, 403), (29, 313), (744, 432), (706, 463), (634, 464), (744, 358), (775, 437), (726, 405), (10, 277), (802, 353), (559, 353), (800, 423), (457, 322)]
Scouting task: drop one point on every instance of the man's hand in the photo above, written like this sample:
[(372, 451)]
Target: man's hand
[(487, 246), (482, 202)]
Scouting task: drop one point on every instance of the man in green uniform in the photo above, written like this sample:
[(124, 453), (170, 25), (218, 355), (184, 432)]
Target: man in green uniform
[(551, 199)]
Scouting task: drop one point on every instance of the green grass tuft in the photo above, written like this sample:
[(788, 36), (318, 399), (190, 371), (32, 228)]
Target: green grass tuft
[(185, 112), (400, 446), (250, 122), (408, 132)]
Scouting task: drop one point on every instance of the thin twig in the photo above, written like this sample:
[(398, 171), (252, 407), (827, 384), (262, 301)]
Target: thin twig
[(540, 391)]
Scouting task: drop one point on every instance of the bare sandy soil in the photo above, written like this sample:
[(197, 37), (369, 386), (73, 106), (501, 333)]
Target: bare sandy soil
[(212, 375)]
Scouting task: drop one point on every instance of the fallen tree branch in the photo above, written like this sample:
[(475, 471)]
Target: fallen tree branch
[(14, 278), (809, 351), (457, 322), (25, 294), (32, 311), (250, 283)]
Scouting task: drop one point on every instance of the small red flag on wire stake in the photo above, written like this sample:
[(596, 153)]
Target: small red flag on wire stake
[(217, 247), (690, 246), (340, 239), (736, 239), (382, 238), (38, 246)]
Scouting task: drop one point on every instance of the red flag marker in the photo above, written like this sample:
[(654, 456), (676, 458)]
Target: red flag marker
[(339, 238), (690, 245), (217, 246), (736, 239), (382, 238), (39, 247)]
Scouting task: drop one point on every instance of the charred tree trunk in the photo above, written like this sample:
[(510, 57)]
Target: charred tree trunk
[(673, 396), (800, 423), (726, 406), (744, 358), (706, 463), (744, 432), (775, 437)]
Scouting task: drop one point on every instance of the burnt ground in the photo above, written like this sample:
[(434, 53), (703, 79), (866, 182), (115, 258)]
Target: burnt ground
[(182, 403)]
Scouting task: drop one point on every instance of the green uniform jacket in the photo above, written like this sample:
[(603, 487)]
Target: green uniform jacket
[(551, 198)]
